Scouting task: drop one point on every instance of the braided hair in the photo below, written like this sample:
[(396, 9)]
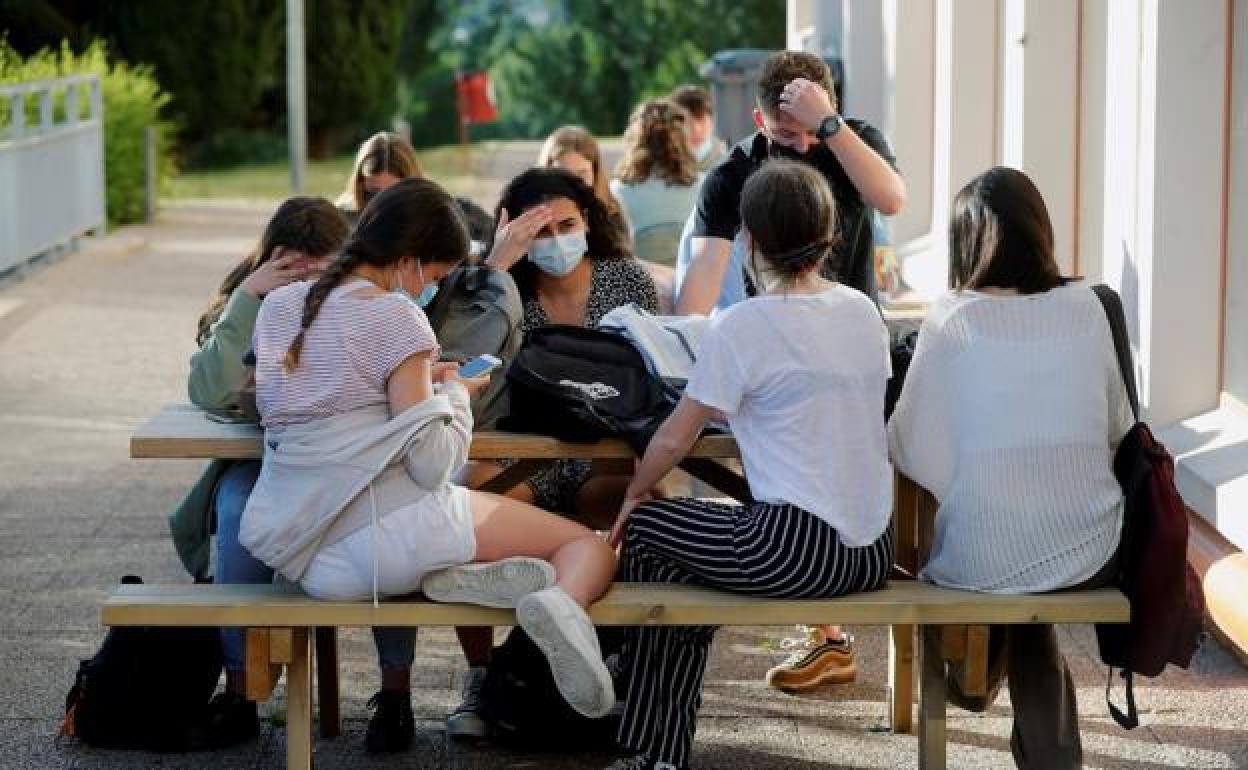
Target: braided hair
[(413, 219)]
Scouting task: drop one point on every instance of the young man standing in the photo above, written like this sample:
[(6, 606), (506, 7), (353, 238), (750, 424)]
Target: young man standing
[(797, 118), (708, 150)]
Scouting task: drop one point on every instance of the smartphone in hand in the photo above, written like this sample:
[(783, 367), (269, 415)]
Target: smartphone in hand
[(481, 365)]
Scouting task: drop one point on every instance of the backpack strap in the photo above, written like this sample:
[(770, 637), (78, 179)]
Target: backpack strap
[(1131, 719), (1112, 304)]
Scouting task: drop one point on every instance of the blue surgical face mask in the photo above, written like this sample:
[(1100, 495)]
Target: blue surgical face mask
[(703, 151), (559, 255), (427, 293)]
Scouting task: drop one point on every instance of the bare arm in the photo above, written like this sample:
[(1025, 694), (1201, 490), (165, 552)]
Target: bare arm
[(668, 447), (879, 184), (874, 178), (705, 277)]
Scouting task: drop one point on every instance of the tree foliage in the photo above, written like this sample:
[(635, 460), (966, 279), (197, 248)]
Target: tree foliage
[(132, 102), (590, 62)]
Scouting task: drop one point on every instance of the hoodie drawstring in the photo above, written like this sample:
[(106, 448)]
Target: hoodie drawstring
[(372, 504)]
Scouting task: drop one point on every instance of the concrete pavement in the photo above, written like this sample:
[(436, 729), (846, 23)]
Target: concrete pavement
[(95, 341)]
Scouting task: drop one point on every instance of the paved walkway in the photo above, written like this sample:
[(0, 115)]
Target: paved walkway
[(92, 343)]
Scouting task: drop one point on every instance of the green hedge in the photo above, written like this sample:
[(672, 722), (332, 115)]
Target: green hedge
[(132, 102)]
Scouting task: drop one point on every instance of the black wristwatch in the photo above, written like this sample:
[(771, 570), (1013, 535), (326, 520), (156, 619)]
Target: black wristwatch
[(829, 126)]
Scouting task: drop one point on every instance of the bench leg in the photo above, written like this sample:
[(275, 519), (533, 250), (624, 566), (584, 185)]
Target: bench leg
[(932, 700), (327, 682), (901, 679), (299, 703)]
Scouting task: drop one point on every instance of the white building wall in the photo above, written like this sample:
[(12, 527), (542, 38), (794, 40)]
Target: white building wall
[(1119, 111)]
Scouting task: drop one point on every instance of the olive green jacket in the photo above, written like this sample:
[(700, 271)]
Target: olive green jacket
[(217, 374)]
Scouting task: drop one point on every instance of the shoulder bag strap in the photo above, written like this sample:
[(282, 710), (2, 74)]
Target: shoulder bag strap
[(1112, 304)]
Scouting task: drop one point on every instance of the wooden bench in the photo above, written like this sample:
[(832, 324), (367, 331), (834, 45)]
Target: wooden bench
[(282, 620), (186, 432)]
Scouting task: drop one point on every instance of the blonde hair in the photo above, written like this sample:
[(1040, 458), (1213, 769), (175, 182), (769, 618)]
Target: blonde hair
[(383, 152), (656, 146), (576, 139)]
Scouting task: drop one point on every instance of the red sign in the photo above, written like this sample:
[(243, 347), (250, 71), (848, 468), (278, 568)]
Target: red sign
[(475, 97)]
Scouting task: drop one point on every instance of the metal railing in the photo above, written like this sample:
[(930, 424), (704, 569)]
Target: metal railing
[(51, 165)]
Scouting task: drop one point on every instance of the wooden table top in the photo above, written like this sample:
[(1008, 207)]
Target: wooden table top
[(183, 431)]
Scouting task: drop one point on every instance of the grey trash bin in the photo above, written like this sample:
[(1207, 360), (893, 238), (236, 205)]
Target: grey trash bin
[(733, 75)]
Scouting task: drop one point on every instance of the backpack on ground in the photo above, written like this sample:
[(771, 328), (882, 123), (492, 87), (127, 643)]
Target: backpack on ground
[(146, 688), (580, 384), (477, 310), (523, 708), (1167, 606)]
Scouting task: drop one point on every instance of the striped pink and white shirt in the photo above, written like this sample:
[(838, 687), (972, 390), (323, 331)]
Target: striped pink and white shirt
[(349, 351)]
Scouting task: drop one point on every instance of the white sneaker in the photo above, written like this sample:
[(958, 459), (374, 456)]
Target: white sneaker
[(489, 584), (562, 631)]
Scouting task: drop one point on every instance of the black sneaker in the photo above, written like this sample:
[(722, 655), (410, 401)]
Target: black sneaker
[(231, 719), (392, 726)]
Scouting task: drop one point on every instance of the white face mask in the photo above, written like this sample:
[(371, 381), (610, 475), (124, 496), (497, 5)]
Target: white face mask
[(703, 151), (559, 255)]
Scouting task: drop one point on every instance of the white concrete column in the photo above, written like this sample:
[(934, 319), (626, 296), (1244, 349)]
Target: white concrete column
[(957, 110), (1094, 62), (1164, 160), (914, 139), (973, 91), (1039, 104), (869, 56)]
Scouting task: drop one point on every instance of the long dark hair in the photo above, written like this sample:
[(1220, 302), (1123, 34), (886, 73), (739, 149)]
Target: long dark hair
[(1000, 235), (311, 225), (790, 214), (538, 185), (415, 219)]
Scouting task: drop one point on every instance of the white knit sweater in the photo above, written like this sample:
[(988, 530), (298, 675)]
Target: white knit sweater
[(1010, 414)]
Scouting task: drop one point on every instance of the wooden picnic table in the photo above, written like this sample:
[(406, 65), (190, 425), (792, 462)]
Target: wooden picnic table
[(183, 431)]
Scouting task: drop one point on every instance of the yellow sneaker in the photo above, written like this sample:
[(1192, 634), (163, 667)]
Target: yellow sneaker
[(816, 661)]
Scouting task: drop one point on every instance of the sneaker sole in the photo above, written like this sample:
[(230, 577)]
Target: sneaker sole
[(466, 729), (580, 675), (835, 676), (489, 584)]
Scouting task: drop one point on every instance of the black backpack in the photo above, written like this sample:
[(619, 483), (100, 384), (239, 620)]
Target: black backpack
[(580, 384), (477, 310), (146, 688), (523, 708)]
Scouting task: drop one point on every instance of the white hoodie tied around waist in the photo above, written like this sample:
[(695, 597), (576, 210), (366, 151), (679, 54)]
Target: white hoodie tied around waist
[(309, 492)]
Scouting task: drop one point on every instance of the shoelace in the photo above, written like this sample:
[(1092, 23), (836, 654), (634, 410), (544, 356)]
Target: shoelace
[(813, 638)]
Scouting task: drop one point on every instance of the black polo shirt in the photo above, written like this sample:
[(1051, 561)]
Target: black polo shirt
[(719, 202)]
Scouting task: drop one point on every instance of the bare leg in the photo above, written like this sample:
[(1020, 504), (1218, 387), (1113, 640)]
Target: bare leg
[(479, 472), (584, 563), (477, 642)]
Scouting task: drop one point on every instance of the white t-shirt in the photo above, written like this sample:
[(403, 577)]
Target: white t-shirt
[(801, 380)]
